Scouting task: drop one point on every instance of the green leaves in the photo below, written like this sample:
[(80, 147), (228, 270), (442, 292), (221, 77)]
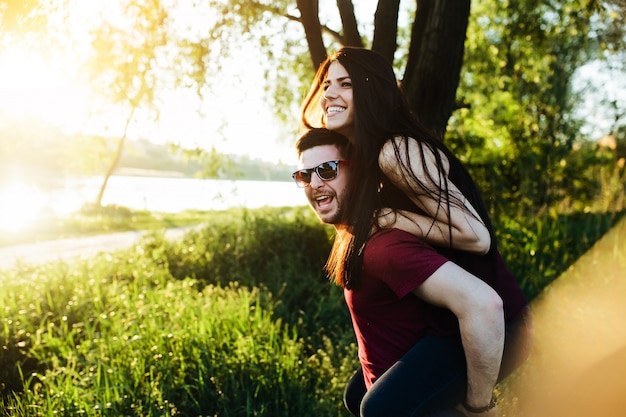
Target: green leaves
[(520, 60)]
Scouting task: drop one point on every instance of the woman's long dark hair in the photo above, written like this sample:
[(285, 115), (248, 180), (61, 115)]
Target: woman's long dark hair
[(381, 113)]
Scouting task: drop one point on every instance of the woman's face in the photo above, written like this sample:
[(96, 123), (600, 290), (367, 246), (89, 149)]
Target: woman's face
[(336, 102)]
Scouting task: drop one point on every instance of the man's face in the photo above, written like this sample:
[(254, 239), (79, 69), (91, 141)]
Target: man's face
[(326, 197)]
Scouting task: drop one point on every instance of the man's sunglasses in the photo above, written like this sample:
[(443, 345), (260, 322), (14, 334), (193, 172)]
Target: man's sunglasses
[(326, 171)]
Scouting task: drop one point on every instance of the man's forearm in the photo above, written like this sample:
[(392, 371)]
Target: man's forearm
[(479, 310), (482, 333)]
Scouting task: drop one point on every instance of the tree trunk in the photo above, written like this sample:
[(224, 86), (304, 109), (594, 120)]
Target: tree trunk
[(111, 169), (386, 28), (313, 30), (435, 59), (115, 162)]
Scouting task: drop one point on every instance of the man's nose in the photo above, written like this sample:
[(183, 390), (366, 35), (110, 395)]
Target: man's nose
[(316, 181)]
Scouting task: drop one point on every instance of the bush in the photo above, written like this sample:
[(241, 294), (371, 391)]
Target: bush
[(539, 249)]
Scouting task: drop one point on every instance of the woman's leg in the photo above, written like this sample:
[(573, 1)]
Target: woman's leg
[(355, 391), (430, 377)]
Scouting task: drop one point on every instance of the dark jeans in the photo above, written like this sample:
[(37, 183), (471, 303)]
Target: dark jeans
[(431, 379)]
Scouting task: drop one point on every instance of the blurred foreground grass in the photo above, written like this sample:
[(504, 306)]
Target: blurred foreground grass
[(578, 364)]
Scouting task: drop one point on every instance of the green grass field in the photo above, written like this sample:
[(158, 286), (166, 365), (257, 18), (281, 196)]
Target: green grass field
[(235, 319)]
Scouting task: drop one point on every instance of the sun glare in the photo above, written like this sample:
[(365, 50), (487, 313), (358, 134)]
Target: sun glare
[(36, 85), (20, 206), (65, 203)]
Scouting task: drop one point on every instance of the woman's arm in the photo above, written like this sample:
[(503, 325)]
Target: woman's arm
[(437, 233), (461, 225)]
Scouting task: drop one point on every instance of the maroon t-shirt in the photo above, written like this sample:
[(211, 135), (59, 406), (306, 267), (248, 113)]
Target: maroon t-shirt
[(388, 319)]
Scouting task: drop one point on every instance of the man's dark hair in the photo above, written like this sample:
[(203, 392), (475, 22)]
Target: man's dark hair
[(319, 137)]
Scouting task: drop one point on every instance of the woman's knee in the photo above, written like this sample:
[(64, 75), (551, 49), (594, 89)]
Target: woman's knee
[(354, 392), (383, 401), (375, 406)]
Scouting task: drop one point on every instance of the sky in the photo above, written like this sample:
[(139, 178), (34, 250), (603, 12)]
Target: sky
[(250, 125), (35, 83), (31, 85), (596, 82), (41, 85)]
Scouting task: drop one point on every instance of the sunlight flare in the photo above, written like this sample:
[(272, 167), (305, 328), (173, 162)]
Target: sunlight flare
[(20, 206)]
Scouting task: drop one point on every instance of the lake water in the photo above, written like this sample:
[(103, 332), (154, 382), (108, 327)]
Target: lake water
[(178, 194)]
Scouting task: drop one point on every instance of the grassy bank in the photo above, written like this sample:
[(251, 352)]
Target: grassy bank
[(236, 319)]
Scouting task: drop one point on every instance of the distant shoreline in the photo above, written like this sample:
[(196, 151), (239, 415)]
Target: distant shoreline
[(141, 172)]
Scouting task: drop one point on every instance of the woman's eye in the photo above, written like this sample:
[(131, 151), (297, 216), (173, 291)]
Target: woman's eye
[(346, 84)]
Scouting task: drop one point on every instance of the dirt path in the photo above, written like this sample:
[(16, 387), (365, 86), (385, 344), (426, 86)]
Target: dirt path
[(578, 365), (68, 249)]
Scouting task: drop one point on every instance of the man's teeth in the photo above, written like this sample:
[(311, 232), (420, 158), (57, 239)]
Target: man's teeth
[(322, 198), (335, 109)]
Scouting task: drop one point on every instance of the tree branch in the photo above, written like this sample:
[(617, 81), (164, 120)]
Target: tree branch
[(337, 36), (386, 28), (309, 10), (348, 21)]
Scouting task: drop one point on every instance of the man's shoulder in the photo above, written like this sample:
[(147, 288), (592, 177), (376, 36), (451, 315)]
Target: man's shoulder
[(397, 237), (393, 254)]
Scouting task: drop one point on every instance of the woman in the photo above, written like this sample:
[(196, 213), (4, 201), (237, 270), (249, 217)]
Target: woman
[(397, 164), (356, 94)]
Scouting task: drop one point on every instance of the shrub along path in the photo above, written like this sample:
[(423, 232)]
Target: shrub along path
[(578, 364)]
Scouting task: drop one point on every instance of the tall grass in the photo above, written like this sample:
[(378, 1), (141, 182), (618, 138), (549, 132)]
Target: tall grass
[(540, 248), (235, 319)]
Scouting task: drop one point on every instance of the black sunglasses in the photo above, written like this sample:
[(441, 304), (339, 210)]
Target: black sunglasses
[(326, 171)]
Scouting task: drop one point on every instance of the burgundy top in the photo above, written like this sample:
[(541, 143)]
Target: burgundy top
[(388, 319)]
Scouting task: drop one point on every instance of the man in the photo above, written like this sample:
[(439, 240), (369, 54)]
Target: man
[(413, 361)]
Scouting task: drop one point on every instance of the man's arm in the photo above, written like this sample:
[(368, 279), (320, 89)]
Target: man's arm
[(480, 313)]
